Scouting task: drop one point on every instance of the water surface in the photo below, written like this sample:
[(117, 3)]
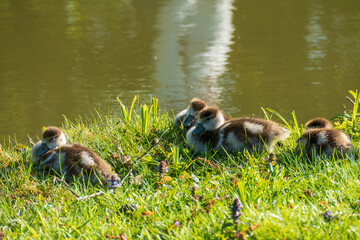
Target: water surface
[(71, 57)]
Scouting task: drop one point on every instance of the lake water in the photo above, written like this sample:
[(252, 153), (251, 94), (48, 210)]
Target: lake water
[(71, 57)]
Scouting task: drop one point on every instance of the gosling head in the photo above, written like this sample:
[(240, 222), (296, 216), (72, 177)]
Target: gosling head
[(193, 111), (52, 137), (210, 119), (318, 123)]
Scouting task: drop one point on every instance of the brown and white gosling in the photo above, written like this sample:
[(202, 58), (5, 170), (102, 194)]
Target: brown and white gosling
[(318, 123), (212, 132), (188, 117), (53, 154), (321, 138)]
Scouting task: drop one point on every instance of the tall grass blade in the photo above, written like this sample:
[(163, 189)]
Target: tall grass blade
[(265, 113), (354, 114), (296, 125), (154, 109), (279, 116), (124, 111), (132, 106), (126, 114), (242, 191), (175, 156), (144, 114)]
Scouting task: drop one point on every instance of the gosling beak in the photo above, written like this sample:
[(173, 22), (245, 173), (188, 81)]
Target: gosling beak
[(43, 149), (198, 129), (188, 120)]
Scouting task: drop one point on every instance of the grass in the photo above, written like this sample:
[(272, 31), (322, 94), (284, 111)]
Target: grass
[(283, 199)]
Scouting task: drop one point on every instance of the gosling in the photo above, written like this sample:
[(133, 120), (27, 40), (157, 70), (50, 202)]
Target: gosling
[(188, 117), (318, 123), (320, 138), (213, 132), (52, 153)]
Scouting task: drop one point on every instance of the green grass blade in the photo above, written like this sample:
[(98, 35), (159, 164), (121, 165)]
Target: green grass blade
[(296, 125), (265, 113), (356, 96), (279, 116), (132, 106), (144, 110), (124, 111)]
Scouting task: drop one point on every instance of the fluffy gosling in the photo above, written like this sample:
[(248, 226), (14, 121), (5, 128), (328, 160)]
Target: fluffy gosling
[(212, 132), (187, 117), (54, 154), (321, 138)]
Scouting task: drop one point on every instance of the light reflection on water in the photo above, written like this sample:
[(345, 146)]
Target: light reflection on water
[(315, 38), (70, 57), (192, 48)]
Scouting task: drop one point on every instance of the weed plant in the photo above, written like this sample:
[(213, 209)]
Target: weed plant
[(173, 193)]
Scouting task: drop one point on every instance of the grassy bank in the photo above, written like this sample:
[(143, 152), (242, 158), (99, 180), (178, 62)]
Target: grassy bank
[(283, 199)]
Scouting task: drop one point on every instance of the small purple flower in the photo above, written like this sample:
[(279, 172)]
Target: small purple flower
[(235, 209), (113, 182), (177, 223), (162, 168)]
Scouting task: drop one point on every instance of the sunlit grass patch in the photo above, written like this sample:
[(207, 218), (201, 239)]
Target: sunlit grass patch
[(284, 196), (349, 121)]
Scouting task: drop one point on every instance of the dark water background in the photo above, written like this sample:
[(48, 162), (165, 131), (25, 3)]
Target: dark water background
[(71, 57)]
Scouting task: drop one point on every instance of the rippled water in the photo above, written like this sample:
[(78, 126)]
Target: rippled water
[(71, 57)]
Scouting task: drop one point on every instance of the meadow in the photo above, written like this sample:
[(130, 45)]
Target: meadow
[(290, 197)]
